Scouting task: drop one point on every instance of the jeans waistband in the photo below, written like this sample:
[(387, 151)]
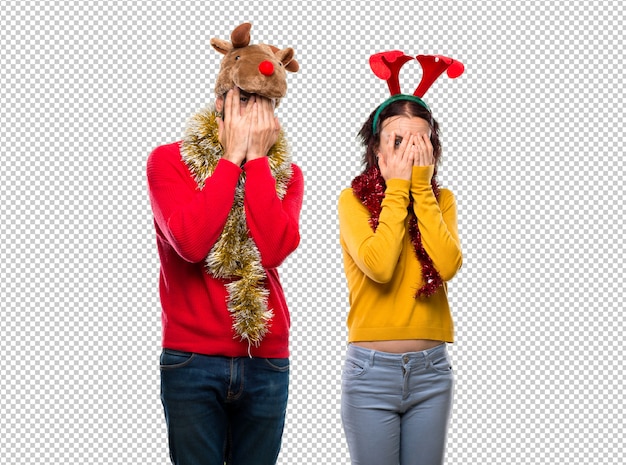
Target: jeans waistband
[(386, 358)]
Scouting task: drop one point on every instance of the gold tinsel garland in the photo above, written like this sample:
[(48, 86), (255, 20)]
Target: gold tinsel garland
[(235, 255)]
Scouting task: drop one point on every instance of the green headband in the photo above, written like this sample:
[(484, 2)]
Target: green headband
[(395, 98)]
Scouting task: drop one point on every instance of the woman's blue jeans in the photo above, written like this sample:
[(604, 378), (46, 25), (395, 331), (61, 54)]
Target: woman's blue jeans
[(223, 410), (395, 408)]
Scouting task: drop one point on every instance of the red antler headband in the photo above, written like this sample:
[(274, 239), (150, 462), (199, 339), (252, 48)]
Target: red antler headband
[(386, 65)]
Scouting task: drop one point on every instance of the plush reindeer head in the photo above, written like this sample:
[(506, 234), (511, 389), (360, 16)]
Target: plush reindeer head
[(255, 69)]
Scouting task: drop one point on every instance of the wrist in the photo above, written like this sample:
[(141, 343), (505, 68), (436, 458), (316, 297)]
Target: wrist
[(253, 156), (235, 157)]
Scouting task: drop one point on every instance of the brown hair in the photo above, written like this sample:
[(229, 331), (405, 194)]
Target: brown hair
[(408, 108)]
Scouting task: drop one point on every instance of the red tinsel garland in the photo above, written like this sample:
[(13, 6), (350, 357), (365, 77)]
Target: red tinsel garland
[(369, 188)]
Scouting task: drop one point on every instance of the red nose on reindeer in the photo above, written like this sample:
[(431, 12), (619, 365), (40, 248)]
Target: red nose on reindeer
[(266, 68)]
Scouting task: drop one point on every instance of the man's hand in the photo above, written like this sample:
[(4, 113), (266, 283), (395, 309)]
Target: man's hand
[(234, 127), (264, 127)]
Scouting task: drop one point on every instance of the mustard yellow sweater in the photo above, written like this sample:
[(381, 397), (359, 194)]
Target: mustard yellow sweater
[(382, 270)]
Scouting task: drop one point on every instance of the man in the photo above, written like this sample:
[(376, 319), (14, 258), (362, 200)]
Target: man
[(226, 203)]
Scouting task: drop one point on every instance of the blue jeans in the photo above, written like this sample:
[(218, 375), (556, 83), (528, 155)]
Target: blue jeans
[(223, 410), (395, 408)]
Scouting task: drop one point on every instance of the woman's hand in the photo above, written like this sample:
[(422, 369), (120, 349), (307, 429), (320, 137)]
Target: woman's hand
[(264, 127), (396, 160), (424, 151)]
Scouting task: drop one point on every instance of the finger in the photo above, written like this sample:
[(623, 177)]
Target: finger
[(423, 158), (421, 150), (418, 150), (391, 145), (415, 153), (419, 140), (266, 119), (406, 140), (428, 149), (236, 103), (382, 163), (228, 105), (220, 130), (254, 108), (270, 113), (405, 146), (252, 100), (409, 151), (264, 113), (422, 154)]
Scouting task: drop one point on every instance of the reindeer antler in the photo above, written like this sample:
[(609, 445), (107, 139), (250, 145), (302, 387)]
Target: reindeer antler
[(387, 65), (432, 67)]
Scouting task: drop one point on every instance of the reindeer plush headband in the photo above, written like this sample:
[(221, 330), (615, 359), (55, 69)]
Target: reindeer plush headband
[(256, 69), (386, 65)]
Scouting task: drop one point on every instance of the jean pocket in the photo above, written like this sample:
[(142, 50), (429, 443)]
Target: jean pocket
[(353, 368), (441, 364), (171, 359), (278, 364)]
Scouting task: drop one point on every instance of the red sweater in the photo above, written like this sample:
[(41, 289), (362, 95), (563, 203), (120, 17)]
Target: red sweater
[(189, 221)]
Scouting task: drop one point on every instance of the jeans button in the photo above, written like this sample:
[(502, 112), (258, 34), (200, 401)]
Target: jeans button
[(405, 359)]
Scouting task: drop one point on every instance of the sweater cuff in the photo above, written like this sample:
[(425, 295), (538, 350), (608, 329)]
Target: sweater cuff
[(421, 176), (257, 165), (228, 166), (397, 186)]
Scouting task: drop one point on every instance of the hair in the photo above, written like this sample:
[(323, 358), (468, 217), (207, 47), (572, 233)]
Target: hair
[(408, 108)]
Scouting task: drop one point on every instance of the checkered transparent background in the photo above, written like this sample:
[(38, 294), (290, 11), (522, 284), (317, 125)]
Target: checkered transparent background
[(533, 145)]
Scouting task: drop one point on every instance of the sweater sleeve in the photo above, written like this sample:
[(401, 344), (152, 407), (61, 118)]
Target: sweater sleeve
[(273, 223), (437, 221), (190, 220), (375, 253)]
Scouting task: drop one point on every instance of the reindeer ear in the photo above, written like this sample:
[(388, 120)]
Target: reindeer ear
[(240, 37), (285, 56), (222, 46), (293, 66)]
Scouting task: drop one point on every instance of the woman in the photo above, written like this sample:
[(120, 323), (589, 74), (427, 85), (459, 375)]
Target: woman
[(400, 244)]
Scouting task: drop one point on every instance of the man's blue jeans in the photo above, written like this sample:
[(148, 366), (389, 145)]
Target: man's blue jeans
[(223, 410)]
